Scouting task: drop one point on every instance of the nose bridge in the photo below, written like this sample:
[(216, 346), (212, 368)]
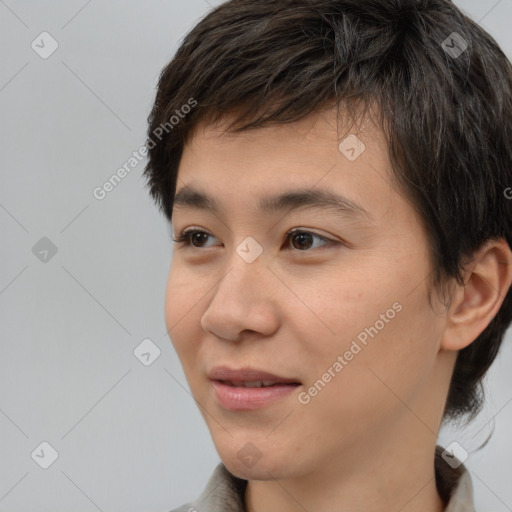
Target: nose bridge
[(241, 299), (246, 270), (242, 283)]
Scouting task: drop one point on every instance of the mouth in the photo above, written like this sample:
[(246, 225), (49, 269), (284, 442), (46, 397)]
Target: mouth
[(248, 377), (249, 389)]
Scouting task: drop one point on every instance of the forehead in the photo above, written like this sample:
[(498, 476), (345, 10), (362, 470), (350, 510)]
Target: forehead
[(328, 127), (243, 168), (301, 148)]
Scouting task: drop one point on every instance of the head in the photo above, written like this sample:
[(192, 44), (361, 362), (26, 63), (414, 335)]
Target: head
[(376, 101)]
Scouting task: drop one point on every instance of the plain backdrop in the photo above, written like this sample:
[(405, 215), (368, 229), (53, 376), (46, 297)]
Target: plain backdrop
[(82, 280)]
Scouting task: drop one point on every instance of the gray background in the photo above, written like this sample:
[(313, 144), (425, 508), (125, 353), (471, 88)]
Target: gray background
[(129, 437)]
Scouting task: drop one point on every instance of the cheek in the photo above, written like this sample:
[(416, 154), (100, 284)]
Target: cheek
[(338, 306), (181, 299), (377, 379), (185, 290), (373, 321)]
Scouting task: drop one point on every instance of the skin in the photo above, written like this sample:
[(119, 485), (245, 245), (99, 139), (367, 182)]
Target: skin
[(366, 442)]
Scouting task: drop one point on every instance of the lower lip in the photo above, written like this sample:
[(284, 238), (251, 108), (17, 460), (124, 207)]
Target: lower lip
[(249, 399)]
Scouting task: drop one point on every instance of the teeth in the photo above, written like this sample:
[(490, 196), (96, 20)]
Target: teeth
[(252, 384)]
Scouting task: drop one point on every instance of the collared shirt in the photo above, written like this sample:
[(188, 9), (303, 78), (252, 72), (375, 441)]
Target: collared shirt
[(224, 492)]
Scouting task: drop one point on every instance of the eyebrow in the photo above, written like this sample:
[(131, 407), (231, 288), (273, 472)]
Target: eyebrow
[(321, 199)]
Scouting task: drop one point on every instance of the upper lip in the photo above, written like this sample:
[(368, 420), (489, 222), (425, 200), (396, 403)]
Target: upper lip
[(247, 375)]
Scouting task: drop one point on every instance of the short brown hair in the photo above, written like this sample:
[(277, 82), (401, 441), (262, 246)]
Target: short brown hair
[(444, 88)]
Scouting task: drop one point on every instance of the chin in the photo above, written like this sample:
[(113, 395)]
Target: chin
[(253, 457), (260, 471), (250, 463)]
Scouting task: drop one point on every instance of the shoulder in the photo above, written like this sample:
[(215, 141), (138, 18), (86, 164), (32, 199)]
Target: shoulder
[(185, 508), (224, 492), (453, 482)]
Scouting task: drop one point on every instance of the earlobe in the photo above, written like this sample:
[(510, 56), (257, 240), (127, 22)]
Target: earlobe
[(487, 280)]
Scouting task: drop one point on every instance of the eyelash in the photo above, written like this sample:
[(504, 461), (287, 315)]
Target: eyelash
[(185, 238)]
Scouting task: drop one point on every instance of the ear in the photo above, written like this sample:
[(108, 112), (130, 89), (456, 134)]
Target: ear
[(487, 279)]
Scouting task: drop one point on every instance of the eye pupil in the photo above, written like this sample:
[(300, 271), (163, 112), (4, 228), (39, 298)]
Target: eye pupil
[(303, 238), (196, 237)]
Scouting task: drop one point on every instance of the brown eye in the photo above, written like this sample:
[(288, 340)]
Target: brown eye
[(198, 238), (305, 240), (302, 240), (193, 238)]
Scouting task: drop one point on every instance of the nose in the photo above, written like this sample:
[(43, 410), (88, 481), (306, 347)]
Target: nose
[(243, 302)]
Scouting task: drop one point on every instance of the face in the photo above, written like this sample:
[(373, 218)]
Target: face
[(338, 306)]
